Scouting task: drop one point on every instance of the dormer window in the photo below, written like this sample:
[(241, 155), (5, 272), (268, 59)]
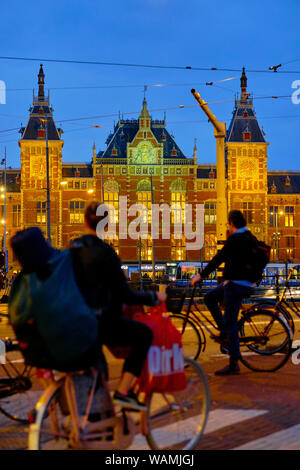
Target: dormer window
[(288, 181), (114, 152), (211, 174), (173, 153), (247, 136), (245, 114), (273, 188), (163, 137), (77, 173), (41, 111), (41, 133)]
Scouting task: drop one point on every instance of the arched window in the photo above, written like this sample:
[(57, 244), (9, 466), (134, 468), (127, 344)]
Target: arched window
[(111, 196), (178, 189), (144, 196)]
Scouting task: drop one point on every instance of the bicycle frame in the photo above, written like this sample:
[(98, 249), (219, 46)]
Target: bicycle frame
[(195, 318), (84, 434), (200, 322)]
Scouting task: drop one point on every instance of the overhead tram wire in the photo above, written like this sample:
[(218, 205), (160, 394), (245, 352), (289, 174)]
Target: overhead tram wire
[(165, 67), (170, 108), (154, 85)]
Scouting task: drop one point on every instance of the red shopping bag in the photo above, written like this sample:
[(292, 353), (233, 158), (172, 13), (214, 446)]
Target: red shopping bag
[(163, 370)]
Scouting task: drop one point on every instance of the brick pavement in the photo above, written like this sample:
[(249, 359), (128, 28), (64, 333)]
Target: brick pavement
[(248, 411)]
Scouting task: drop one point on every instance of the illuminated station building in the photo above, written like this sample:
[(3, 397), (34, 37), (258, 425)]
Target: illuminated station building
[(141, 161)]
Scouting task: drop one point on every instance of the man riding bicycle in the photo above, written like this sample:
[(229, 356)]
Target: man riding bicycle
[(236, 254)]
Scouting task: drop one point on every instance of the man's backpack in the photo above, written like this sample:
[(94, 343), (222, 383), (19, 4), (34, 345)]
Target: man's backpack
[(258, 259), (53, 324)]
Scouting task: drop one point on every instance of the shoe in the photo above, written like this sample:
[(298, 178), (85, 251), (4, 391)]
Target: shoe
[(129, 401), (232, 369)]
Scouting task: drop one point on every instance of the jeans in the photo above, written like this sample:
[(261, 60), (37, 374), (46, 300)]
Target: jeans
[(231, 296)]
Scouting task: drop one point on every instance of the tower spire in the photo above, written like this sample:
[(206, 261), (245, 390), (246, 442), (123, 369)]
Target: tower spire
[(195, 151), (243, 85), (41, 83)]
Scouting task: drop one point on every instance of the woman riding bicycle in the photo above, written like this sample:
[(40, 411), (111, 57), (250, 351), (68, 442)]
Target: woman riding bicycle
[(103, 284)]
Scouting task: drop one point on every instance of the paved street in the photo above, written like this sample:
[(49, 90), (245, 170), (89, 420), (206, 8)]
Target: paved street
[(248, 411)]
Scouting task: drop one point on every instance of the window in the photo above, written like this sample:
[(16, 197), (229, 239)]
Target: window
[(16, 216), (210, 246), (112, 198), (77, 184), (290, 247), (83, 185), (41, 208), (146, 248), (210, 213), (273, 216), (248, 212), (145, 199), (70, 184), (178, 251), (289, 216), (178, 200), (76, 212)]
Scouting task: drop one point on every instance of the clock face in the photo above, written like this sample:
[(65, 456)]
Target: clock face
[(247, 169), (144, 153)]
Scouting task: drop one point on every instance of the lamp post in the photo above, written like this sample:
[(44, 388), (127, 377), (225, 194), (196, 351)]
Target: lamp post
[(3, 196), (152, 231)]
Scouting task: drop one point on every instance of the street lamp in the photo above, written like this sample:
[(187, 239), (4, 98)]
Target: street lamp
[(3, 221)]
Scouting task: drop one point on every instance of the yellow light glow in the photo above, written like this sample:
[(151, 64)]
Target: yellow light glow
[(90, 191), (3, 221), (2, 189), (63, 183)]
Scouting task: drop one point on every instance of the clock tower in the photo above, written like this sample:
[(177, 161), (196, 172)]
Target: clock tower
[(33, 145), (246, 156)]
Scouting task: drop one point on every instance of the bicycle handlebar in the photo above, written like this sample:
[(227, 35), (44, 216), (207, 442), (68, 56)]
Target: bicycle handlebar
[(185, 293)]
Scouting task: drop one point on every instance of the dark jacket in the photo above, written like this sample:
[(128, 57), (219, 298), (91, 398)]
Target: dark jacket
[(100, 277), (236, 254)]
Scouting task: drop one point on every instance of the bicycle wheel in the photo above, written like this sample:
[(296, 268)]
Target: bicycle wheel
[(50, 429), (265, 341), (191, 339), (177, 420), (19, 390), (277, 309)]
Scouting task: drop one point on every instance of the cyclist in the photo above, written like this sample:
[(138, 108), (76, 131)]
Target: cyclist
[(103, 284), (236, 255)]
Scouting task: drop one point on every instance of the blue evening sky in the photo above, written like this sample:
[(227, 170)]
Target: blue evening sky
[(230, 34)]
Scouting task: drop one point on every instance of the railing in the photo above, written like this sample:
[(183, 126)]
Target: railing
[(270, 288)]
